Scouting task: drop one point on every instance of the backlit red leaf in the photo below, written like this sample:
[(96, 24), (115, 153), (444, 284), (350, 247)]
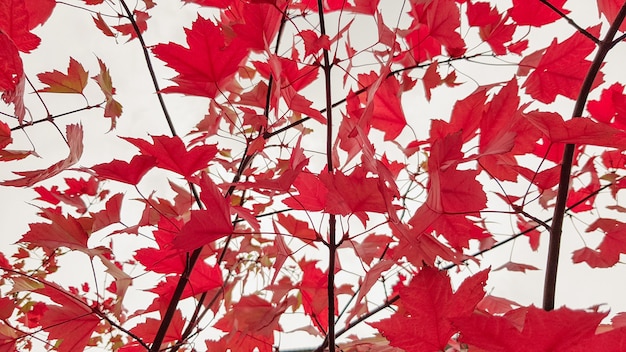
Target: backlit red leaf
[(535, 13), (207, 65), (171, 154), (427, 307)]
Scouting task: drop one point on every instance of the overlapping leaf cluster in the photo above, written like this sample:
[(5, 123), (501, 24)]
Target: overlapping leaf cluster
[(310, 183)]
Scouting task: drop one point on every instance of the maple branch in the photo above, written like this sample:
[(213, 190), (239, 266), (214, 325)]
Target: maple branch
[(570, 21), (332, 221), (146, 55), (52, 117), (566, 168)]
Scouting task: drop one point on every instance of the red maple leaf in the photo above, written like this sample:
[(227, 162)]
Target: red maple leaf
[(209, 63), (427, 309), (526, 329), (112, 109), (39, 11), (610, 9), (128, 29), (562, 68), (171, 154), (611, 108), (251, 322), (534, 13), (207, 225), (314, 287), (122, 171), (14, 23), (256, 24)]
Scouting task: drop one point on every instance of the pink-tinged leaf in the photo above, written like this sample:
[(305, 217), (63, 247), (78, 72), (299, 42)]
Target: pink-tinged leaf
[(74, 81), (122, 171), (428, 306), (209, 63), (496, 305), (512, 266), (535, 13), (562, 69), (74, 135), (207, 225), (14, 23), (112, 109), (171, 154)]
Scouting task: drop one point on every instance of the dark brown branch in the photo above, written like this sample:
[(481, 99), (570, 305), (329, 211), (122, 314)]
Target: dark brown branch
[(566, 168)]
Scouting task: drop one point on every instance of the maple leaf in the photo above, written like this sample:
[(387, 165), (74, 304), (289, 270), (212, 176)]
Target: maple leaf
[(524, 329), (74, 81), (102, 26), (112, 109), (110, 214), (14, 23), (439, 20), (208, 225), (171, 154), (5, 135), (256, 24), (609, 250), (512, 266), (39, 11), (313, 287), (314, 43), (141, 19), (610, 9), (577, 130), (427, 308), (255, 320), (297, 228), (383, 99), (534, 13), (126, 172), (75, 142), (209, 63), (147, 330), (562, 68), (611, 108)]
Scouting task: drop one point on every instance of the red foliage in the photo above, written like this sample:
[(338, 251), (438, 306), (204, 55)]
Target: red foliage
[(349, 154)]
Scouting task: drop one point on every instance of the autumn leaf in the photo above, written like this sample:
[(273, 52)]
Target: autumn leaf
[(128, 29), (14, 22), (74, 81), (427, 309), (209, 63), (535, 13), (171, 154), (112, 109), (562, 69), (29, 178), (567, 329), (126, 172), (207, 225), (62, 231)]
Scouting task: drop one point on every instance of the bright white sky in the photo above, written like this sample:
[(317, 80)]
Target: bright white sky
[(578, 286)]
